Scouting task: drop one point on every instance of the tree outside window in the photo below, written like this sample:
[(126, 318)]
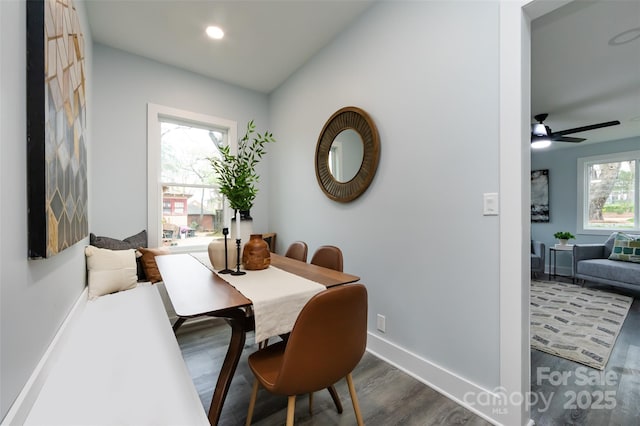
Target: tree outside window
[(611, 197), (192, 206)]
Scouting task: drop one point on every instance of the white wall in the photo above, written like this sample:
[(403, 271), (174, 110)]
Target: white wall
[(36, 295), (428, 74), (563, 187), (124, 84)]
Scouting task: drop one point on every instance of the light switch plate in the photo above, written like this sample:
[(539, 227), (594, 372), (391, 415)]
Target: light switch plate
[(490, 204)]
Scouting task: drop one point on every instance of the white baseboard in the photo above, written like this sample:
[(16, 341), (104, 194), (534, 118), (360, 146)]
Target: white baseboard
[(443, 381), (21, 407)]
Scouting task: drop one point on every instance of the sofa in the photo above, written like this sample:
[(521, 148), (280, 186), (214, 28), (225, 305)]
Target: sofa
[(537, 257), (615, 262)]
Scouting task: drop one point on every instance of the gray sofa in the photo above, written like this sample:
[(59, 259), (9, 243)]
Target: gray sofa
[(591, 263), (537, 257)]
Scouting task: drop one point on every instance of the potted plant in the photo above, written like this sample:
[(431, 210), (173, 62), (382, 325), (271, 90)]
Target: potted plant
[(236, 173), (563, 237)]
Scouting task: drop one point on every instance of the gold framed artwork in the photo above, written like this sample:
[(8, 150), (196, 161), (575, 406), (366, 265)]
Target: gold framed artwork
[(56, 128)]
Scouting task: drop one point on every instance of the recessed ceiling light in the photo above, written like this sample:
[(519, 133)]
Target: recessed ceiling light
[(215, 32)]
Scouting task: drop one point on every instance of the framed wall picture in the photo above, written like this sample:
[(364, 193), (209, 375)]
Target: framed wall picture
[(540, 195), (56, 128)]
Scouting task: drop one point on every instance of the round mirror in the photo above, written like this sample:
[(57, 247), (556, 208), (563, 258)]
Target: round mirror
[(347, 154)]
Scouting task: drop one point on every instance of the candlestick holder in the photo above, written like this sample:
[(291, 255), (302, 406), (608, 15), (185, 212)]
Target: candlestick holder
[(238, 271), (226, 270)]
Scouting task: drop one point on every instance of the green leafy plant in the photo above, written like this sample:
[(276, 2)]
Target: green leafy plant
[(563, 235), (236, 174)]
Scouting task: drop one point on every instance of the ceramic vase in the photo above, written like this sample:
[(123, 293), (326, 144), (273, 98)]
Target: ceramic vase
[(216, 253), (256, 255)]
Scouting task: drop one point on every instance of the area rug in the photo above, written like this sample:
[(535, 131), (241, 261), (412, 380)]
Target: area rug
[(576, 323)]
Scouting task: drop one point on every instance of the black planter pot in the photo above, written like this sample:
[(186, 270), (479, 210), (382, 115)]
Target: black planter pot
[(245, 215)]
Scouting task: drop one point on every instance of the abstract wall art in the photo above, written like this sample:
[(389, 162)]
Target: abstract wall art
[(56, 128), (540, 195)]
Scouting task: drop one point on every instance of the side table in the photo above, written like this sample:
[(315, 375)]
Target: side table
[(553, 253)]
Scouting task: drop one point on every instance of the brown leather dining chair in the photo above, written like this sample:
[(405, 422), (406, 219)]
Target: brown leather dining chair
[(297, 250), (329, 257), (327, 342)]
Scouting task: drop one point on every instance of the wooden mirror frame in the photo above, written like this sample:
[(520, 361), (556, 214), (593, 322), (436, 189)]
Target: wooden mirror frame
[(347, 118)]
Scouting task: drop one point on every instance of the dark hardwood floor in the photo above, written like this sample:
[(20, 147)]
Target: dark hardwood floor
[(563, 392), (568, 393), (387, 396)]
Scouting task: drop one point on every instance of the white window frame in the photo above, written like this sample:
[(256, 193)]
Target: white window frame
[(583, 191), (154, 189)]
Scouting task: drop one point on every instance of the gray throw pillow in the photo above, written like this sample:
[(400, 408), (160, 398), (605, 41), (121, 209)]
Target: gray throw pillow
[(608, 245), (133, 242)]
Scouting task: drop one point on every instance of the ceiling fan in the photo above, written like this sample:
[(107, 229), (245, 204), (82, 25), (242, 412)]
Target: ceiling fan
[(542, 136)]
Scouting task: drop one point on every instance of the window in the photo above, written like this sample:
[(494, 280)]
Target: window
[(185, 209), (608, 197)]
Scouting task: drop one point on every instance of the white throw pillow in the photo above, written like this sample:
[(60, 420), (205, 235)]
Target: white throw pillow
[(110, 270)]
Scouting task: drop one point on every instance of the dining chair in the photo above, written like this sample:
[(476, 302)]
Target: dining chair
[(328, 340), (329, 257), (297, 250)]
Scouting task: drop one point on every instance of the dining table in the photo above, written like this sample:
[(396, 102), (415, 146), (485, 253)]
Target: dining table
[(196, 290)]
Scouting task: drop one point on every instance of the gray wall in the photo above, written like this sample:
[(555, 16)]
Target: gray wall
[(35, 295), (124, 84), (417, 237), (563, 181)]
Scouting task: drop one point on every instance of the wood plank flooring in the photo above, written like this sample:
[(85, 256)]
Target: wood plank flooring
[(387, 396), (587, 396)]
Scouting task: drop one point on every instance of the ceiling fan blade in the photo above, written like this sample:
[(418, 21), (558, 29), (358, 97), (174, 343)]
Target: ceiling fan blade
[(567, 139), (584, 128)]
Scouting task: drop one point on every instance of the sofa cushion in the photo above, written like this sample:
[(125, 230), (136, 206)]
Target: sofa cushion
[(110, 270), (132, 242), (612, 270), (626, 248), (608, 245), (148, 261)]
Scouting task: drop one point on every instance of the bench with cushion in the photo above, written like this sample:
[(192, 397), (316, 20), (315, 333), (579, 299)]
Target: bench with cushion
[(115, 360), (615, 262)]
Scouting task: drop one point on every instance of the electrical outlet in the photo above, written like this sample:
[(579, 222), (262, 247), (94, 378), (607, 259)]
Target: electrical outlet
[(382, 323)]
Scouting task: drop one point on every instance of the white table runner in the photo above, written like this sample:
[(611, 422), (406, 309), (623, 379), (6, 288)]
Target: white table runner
[(278, 296)]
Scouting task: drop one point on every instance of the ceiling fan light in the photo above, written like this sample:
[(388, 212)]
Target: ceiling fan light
[(538, 142), (539, 129)]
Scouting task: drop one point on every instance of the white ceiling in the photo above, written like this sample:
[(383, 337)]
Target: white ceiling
[(577, 76), (265, 40)]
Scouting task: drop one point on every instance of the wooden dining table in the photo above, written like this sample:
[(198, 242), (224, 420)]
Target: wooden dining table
[(195, 291)]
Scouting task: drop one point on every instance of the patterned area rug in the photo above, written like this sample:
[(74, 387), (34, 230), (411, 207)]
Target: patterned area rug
[(576, 323)]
